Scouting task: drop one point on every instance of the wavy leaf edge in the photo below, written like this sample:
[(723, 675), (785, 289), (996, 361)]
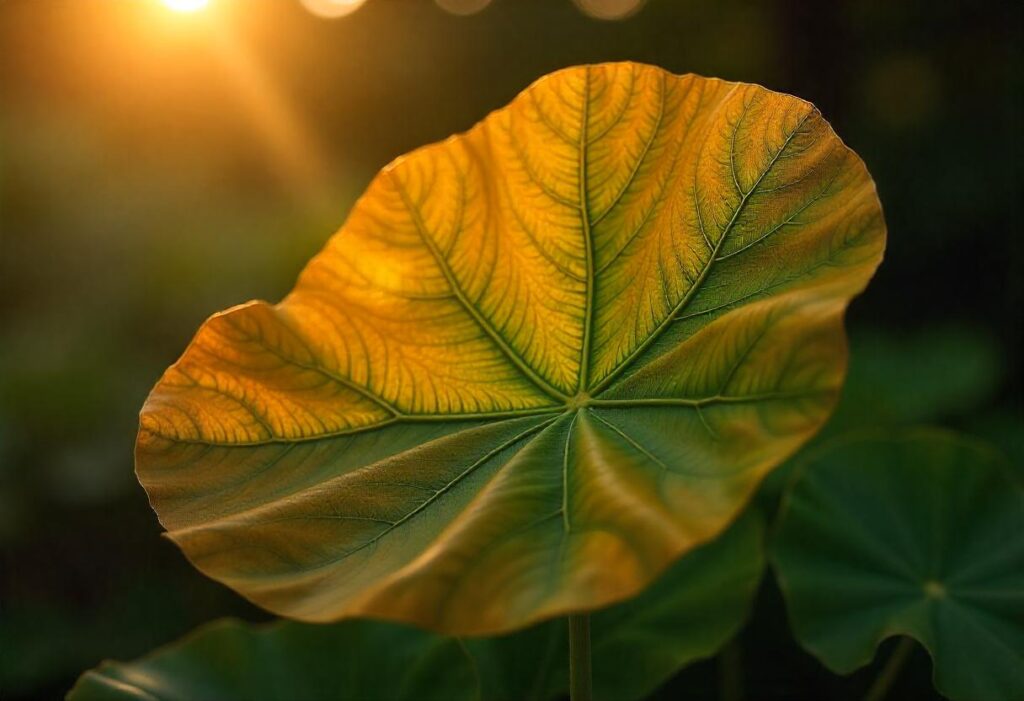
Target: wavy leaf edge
[(539, 417)]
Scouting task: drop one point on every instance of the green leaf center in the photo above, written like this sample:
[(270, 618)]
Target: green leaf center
[(582, 399)]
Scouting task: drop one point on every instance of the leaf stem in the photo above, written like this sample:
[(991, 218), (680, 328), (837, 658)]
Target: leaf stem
[(579, 658), (892, 669), (730, 672)]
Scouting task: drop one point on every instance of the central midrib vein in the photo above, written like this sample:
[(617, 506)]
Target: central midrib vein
[(588, 241), (547, 388)]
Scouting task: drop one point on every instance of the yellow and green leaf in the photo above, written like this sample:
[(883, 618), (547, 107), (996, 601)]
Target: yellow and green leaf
[(540, 361)]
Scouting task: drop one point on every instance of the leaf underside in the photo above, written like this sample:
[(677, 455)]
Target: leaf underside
[(915, 533), (539, 362)]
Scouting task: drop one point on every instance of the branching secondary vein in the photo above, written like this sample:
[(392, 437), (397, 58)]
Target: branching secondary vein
[(484, 324), (667, 321)]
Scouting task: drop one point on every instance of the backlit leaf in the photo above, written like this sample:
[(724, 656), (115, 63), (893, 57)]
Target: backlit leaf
[(916, 534), (540, 361)]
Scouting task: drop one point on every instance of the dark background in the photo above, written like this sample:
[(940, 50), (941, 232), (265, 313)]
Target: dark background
[(155, 168)]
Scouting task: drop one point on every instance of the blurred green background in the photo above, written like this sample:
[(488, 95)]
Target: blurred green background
[(156, 167)]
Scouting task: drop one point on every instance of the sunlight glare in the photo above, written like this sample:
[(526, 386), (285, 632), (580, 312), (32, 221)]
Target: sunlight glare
[(185, 5), (291, 148)]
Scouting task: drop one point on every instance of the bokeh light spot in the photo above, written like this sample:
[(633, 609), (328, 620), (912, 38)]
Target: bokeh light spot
[(902, 92), (609, 9), (332, 8), (463, 7)]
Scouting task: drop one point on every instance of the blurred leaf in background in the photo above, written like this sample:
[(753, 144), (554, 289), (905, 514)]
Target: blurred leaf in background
[(915, 376), (942, 374), (230, 661)]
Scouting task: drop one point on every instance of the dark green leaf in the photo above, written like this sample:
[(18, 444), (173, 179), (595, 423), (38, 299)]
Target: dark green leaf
[(233, 661), (915, 534)]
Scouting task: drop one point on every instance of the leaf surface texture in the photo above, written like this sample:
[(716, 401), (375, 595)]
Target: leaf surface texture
[(539, 362)]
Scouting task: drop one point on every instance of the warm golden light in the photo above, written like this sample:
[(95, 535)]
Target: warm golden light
[(186, 5), (293, 150), (332, 8)]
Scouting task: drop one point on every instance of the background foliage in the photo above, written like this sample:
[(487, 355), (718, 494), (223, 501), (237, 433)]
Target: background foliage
[(155, 168)]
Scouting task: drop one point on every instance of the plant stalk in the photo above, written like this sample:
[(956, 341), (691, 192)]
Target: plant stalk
[(730, 672), (579, 658), (892, 669)]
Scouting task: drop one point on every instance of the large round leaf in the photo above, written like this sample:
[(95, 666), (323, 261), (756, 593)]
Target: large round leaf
[(234, 661), (917, 534), (540, 361)]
